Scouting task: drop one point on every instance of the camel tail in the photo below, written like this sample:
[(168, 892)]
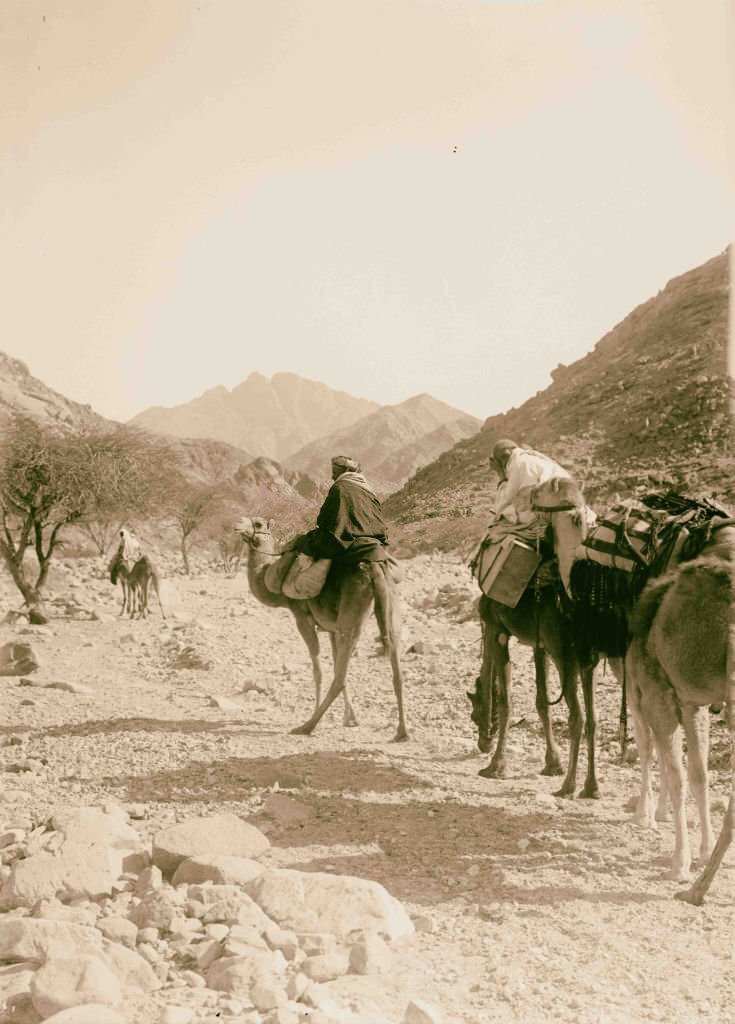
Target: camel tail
[(384, 610)]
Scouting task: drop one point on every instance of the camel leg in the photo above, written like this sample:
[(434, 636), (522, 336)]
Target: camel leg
[(644, 742), (552, 764), (590, 790), (349, 717), (695, 721), (695, 895), (568, 677), (496, 668), (387, 612), (671, 762), (307, 629), (354, 604)]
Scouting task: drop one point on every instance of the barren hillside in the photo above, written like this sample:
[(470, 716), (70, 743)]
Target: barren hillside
[(649, 404)]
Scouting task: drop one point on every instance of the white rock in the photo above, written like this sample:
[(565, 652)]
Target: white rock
[(369, 954), (419, 1011), (134, 973), (118, 929), (15, 980), (220, 834), (236, 974), (91, 1013), (318, 902), (72, 981), (217, 868), (36, 940), (326, 967), (176, 1015)]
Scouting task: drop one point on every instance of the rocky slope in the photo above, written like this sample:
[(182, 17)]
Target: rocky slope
[(392, 442), (200, 460), (269, 417), (648, 405)]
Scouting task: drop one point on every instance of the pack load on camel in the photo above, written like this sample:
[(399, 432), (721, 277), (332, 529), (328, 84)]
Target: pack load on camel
[(518, 547), (349, 530), (633, 542)]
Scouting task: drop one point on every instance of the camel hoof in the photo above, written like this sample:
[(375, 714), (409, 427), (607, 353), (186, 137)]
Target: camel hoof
[(350, 723), (692, 896), (492, 772), (302, 730), (678, 875), (400, 736), (552, 769), (590, 792), (565, 791)]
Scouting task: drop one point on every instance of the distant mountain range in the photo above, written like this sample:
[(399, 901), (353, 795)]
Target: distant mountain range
[(392, 442), (648, 406), (273, 418), (302, 423)]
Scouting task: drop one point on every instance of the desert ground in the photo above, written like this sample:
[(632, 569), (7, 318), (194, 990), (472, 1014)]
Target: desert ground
[(528, 908)]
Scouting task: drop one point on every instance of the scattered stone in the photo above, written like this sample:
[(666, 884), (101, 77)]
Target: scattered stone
[(419, 1011), (266, 996), (338, 904), (326, 967), (119, 929), (221, 834), (17, 659), (72, 981), (218, 868), (176, 1015), (236, 974)]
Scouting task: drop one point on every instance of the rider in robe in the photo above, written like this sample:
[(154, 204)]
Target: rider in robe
[(350, 526)]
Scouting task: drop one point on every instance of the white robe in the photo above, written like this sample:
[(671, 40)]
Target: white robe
[(524, 470)]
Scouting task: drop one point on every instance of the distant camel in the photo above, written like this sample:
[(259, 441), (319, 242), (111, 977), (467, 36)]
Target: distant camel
[(135, 577), (682, 659), (340, 610), (540, 621)]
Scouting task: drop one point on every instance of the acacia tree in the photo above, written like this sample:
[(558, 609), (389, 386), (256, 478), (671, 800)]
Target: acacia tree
[(49, 481), (194, 504), (131, 475)]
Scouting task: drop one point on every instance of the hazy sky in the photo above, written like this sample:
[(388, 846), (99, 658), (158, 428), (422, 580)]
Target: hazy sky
[(390, 196)]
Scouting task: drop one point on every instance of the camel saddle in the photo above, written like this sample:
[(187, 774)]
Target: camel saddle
[(305, 576)]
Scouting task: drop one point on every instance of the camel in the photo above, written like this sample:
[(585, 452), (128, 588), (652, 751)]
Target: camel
[(340, 609), (135, 575), (540, 620), (682, 659)]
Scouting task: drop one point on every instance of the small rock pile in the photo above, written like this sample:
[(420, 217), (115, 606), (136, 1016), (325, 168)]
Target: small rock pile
[(99, 927)]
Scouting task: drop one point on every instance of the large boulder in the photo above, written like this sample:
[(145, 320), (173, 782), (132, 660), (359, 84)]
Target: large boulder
[(96, 847), (236, 974), (91, 1013), (72, 981), (220, 834), (318, 902), (218, 868), (35, 940)]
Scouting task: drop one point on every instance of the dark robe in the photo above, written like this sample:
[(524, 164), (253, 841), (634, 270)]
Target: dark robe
[(350, 525)]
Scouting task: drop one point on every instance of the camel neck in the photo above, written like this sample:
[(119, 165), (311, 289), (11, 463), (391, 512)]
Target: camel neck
[(258, 562)]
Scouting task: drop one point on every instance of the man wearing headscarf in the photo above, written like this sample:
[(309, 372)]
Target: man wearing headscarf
[(519, 470), (350, 522)]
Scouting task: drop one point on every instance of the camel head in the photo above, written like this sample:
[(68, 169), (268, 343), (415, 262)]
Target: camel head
[(571, 519), (256, 532)]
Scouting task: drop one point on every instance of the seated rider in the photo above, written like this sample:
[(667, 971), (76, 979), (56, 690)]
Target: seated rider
[(519, 470), (350, 525)]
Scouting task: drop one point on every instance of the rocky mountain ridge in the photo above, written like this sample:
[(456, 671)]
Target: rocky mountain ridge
[(649, 405), (392, 442), (273, 418)]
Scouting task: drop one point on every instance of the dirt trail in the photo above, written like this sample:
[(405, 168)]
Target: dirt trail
[(538, 909)]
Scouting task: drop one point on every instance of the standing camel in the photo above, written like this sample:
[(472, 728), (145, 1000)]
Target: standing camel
[(540, 620), (682, 659), (341, 610), (135, 573)]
